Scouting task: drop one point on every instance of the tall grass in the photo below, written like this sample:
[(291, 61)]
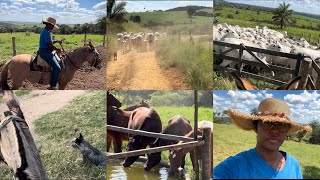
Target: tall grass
[(230, 140), (30, 44), (193, 60)]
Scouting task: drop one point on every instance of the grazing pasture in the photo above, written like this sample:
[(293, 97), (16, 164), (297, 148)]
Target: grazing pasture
[(28, 43)]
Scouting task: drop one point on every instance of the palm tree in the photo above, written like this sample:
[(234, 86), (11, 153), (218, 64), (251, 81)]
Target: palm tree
[(116, 12), (282, 15)]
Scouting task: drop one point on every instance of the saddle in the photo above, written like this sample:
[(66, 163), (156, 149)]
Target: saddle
[(39, 64)]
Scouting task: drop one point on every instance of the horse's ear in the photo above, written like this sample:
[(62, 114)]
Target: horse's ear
[(91, 45)]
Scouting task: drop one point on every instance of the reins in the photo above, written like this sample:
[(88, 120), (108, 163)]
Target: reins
[(10, 118)]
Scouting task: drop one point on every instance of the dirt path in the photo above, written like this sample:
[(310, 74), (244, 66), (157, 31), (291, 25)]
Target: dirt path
[(141, 71), (41, 102)]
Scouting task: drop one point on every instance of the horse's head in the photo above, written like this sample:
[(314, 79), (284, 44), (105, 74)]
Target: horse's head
[(93, 56), (112, 101)]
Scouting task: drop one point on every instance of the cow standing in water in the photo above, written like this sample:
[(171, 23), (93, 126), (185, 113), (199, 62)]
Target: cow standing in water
[(177, 125), (144, 119), (177, 155)]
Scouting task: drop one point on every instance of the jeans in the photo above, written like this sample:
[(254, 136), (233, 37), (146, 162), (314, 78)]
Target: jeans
[(52, 61)]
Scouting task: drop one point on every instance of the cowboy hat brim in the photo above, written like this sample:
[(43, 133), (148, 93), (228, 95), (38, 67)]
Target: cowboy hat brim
[(245, 122), (44, 20)]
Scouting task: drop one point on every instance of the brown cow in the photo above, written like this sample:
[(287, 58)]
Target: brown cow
[(178, 125), (118, 117), (144, 119), (176, 156)]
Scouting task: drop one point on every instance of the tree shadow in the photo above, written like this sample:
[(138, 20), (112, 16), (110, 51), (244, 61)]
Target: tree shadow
[(311, 172)]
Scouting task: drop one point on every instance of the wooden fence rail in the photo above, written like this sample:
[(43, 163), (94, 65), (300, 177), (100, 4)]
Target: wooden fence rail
[(203, 141), (149, 134), (14, 50), (303, 65)]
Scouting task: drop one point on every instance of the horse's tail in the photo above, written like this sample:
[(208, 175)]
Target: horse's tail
[(4, 76)]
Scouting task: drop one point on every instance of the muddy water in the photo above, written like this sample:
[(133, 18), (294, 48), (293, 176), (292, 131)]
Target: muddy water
[(115, 171)]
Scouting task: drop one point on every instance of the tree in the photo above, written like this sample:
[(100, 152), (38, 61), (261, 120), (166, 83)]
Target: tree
[(101, 24), (315, 135), (116, 12), (191, 12), (282, 15), (253, 111)]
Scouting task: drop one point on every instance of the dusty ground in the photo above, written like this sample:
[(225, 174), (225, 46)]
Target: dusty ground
[(85, 78), (41, 102), (138, 71)]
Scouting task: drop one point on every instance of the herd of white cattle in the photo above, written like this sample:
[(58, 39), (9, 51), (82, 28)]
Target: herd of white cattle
[(140, 41), (263, 38)]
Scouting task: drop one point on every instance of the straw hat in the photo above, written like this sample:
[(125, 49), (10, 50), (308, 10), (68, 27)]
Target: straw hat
[(50, 20), (270, 110)]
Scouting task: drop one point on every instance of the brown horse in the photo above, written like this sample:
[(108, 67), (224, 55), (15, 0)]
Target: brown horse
[(17, 147), (19, 68), (143, 119), (118, 117)]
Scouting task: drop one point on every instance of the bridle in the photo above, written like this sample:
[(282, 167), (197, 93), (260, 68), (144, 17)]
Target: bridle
[(94, 63)]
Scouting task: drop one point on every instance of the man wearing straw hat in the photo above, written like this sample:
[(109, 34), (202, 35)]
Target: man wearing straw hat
[(46, 47), (272, 124)]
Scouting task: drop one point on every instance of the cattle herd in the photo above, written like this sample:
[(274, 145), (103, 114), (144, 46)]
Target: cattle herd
[(264, 38), (141, 42), (142, 117)]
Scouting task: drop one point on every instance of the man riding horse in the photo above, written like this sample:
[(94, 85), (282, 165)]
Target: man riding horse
[(46, 47)]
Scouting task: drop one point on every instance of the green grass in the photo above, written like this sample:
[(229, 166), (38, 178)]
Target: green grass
[(29, 44), (193, 60), (230, 140), (181, 23), (85, 114)]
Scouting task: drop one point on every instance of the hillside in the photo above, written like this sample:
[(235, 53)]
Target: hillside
[(253, 7)]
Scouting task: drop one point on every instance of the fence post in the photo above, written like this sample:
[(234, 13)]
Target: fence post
[(240, 59), (14, 51), (53, 37), (304, 70), (310, 38), (318, 82), (196, 134), (85, 40), (206, 154), (104, 40)]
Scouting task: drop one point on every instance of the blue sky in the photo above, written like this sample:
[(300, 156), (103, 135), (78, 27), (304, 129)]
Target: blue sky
[(142, 6), (306, 6), (305, 105), (65, 11)]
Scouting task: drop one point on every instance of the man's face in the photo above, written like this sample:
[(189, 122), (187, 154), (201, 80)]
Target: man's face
[(50, 27), (270, 136)]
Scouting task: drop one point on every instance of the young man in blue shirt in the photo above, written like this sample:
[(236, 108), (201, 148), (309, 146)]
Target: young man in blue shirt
[(46, 47), (272, 125)]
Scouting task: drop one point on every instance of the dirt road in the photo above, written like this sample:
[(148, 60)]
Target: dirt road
[(138, 71), (41, 102)]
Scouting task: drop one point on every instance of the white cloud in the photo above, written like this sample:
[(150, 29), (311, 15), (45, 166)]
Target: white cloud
[(301, 98), (101, 6), (241, 95), (22, 1)]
